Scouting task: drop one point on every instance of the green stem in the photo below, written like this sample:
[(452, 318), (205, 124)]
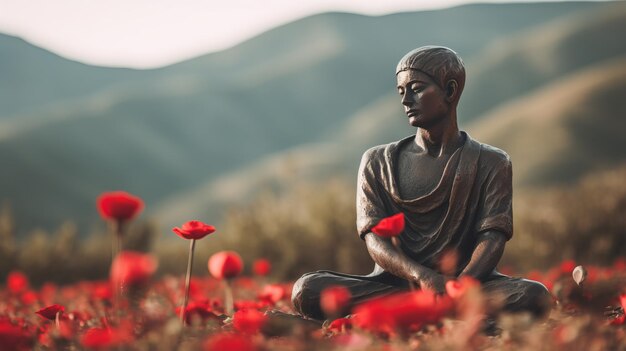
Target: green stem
[(192, 245)]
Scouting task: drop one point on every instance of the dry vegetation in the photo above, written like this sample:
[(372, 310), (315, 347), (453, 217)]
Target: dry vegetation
[(313, 227)]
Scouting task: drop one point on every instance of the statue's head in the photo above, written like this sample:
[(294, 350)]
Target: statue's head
[(441, 64)]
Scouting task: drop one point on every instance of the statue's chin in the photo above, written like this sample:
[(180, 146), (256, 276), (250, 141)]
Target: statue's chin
[(413, 122)]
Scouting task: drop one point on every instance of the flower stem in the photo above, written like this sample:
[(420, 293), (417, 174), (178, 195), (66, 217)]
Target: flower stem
[(118, 233), (192, 245), (228, 298), (396, 243), (117, 248)]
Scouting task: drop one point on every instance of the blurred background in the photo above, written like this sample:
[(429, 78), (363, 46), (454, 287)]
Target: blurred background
[(262, 135)]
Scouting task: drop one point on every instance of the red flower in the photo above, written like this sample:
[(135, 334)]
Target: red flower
[(619, 264), (458, 288), (622, 301), (119, 205), (402, 311), (250, 305), (262, 267), (101, 291), (249, 321), (230, 342), (390, 226), (50, 312), (335, 300), (225, 265), (618, 321), (131, 268), (106, 337), (340, 325), (194, 230), (98, 338), (13, 337), (17, 282), (567, 267), (201, 310), (272, 293), (29, 297)]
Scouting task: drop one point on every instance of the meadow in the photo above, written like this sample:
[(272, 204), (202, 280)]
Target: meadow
[(131, 296)]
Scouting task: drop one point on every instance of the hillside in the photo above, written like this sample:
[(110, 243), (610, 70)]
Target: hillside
[(556, 135), (34, 78), (565, 130), (536, 56), (562, 114), (176, 129)]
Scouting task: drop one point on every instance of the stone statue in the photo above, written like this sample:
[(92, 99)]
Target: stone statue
[(454, 191)]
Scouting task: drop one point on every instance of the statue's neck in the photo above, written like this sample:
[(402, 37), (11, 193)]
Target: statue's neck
[(441, 139)]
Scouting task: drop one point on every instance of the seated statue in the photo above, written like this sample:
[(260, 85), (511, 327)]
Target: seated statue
[(455, 194)]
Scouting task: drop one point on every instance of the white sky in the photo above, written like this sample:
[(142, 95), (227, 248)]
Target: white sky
[(151, 33)]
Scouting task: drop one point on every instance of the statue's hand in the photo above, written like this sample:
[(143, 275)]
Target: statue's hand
[(434, 282)]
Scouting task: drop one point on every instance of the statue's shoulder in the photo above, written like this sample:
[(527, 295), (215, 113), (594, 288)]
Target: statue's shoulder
[(374, 153), (493, 155), (378, 153)]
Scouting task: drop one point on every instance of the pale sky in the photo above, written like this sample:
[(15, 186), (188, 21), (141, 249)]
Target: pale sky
[(152, 33)]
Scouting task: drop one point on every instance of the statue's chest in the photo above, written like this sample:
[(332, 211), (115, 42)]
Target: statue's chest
[(418, 175)]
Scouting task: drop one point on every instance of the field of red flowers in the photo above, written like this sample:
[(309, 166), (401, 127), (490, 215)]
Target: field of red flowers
[(227, 311)]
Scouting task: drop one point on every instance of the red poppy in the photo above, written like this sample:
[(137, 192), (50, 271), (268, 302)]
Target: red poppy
[(201, 310), (619, 264), (102, 291), (403, 311), (335, 300), (230, 342), (119, 205), (340, 325), (13, 337), (567, 267), (17, 282), (225, 265), (249, 321), (250, 305), (131, 268), (50, 312), (194, 230), (98, 338), (457, 288), (262, 267), (272, 293), (390, 226), (29, 297), (619, 320)]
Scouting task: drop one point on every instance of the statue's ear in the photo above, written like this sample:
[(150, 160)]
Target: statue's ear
[(452, 90)]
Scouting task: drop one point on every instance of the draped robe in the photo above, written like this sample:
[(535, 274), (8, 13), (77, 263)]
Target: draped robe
[(473, 195)]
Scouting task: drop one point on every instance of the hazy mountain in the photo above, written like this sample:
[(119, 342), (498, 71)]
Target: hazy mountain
[(32, 78), (565, 129), (538, 55), (166, 133)]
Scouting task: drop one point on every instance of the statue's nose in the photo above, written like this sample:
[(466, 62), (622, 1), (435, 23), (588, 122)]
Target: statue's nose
[(407, 99)]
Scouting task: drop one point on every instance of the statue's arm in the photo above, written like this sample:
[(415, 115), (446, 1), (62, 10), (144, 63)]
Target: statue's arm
[(494, 223), (486, 255), (385, 255)]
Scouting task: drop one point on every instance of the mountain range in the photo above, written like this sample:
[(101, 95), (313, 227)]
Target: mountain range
[(303, 101)]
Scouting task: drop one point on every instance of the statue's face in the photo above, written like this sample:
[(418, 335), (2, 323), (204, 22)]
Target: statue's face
[(423, 100)]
